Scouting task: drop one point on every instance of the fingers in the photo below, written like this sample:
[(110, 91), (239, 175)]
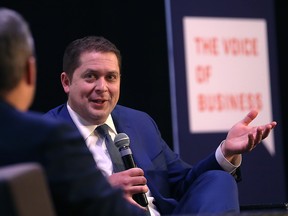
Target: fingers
[(267, 129), (273, 124), (135, 176), (128, 178), (266, 132), (261, 133), (250, 117), (135, 172), (251, 143), (254, 141), (135, 189), (131, 180)]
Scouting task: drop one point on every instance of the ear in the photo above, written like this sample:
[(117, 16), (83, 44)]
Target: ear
[(65, 82), (31, 70)]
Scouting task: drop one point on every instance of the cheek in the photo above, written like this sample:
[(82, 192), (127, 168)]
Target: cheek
[(82, 88), (115, 90)]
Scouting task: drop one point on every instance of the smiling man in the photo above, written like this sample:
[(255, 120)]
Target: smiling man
[(91, 79)]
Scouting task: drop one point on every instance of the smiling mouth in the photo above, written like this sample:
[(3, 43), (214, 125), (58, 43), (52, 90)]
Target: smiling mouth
[(99, 101)]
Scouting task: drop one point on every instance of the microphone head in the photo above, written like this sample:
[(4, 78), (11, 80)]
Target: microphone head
[(121, 140)]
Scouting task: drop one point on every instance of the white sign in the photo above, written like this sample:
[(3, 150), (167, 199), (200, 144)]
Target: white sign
[(227, 72)]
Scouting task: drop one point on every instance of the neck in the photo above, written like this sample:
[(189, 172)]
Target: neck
[(18, 97)]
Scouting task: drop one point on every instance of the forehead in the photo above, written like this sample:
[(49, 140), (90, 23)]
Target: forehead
[(99, 59)]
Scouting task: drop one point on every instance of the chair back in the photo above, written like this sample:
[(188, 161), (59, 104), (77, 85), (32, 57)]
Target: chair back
[(24, 191)]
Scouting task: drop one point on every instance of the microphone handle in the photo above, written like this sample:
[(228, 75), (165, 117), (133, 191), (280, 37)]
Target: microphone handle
[(140, 198), (128, 161)]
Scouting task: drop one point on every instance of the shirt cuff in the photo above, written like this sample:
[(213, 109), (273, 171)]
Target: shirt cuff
[(224, 163)]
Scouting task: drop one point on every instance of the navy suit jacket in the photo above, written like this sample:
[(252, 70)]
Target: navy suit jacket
[(77, 186), (168, 177)]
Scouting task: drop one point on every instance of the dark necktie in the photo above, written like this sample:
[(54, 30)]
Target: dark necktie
[(112, 149)]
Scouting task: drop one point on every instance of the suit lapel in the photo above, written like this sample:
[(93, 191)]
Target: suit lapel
[(139, 153), (65, 115)]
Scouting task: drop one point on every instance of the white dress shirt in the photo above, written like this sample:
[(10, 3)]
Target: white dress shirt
[(99, 151), (101, 156)]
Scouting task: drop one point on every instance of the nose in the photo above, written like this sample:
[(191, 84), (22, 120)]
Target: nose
[(101, 84)]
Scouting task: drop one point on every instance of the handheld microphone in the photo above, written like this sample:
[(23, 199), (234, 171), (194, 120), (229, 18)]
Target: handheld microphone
[(122, 141)]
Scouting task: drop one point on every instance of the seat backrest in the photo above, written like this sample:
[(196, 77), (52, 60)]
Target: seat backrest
[(24, 191)]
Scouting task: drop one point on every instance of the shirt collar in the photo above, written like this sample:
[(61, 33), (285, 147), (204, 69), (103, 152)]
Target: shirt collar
[(86, 128)]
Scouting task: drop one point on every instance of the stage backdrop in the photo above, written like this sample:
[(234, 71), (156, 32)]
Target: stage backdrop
[(223, 62)]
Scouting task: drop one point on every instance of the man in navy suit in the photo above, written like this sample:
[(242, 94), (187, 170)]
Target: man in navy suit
[(91, 79), (77, 186)]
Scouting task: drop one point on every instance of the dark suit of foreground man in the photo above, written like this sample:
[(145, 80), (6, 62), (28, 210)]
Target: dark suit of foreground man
[(91, 79), (77, 186)]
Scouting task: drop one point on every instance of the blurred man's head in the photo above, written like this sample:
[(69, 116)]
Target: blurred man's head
[(17, 61)]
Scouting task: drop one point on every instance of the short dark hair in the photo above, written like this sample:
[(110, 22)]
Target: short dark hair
[(16, 46), (71, 58)]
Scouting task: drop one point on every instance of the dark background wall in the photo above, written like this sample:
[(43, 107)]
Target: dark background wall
[(138, 28)]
